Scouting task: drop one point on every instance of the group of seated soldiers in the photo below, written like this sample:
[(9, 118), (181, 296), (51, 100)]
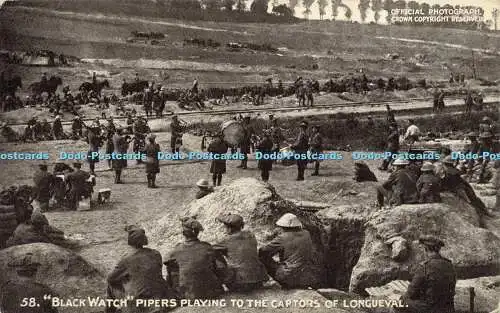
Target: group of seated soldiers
[(199, 270)]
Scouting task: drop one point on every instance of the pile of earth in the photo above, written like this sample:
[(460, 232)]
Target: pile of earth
[(66, 273)]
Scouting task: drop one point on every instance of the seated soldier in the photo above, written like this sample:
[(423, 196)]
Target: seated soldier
[(204, 187), (362, 172), (245, 271), (400, 188), (32, 230)]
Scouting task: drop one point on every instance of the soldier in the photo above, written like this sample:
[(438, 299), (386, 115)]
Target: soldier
[(57, 128), (245, 271), (300, 147), (158, 102), (152, 162), (390, 115), (14, 292), (392, 146), (218, 165), (110, 131), (138, 274), (147, 101), (194, 88), (412, 132), (246, 142), (44, 182), (176, 132), (469, 102), (31, 230), (487, 126), (94, 140), (472, 148), (432, 288), (428, 185), (295, 248), (435, 104), (77, 128), (309, 93), (8, 133), (192, 268), (130, 123), (276, 136), (485, 146), (265, 147), (441, 100), (204, 188), (316, 146), (77, 185), (120, 146), (46, 130), (140, 130), (400, 187)]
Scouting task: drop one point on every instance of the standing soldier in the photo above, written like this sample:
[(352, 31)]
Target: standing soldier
[(316, 146), (435, 105), (110, 131), (432, 288), (44, 182), (309, 93), (300, 147), (428, 185), (77, 184), (265, 147), (392, 146), (191, 267), (246, 142), (469, 102), (152, 162), (276, 136), (218, 164), (57, 128), (245, 271), (441, 100), (14, 292), (158, 101), (176, 131), (120, 146), (94, 139), (390, 116), (194, 88), (140, 129), (147, 101), (295, 249)]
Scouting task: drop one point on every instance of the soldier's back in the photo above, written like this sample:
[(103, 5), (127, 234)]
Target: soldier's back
[(441, 281)]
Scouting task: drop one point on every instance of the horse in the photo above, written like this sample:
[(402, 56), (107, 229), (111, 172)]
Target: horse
[(137, 86), (49, 86), (98, 86), (9, 87)]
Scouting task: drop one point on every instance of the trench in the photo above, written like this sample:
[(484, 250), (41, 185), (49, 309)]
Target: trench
[(345, 240)]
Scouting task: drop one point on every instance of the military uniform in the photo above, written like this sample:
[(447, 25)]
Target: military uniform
[(148, 101), (428, 187), (175, 135), (57, 129), (432, 288), (195, 263), (301, 146), (27, 233), (246, 142), (77, 128), (392, 147), (246, 270), (44, 182), (77, 181), (152, 163), (316, 144), (295, 249), (400, 186), (139, 274), (217, 167), (204, 192), (265, 147)]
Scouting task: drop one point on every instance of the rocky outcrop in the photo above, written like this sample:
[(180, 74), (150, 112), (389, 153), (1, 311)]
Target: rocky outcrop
[(258, 204), (474, 251), (66, 273)]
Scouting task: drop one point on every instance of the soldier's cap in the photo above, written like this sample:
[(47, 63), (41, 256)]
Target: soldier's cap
[(58, 117), (202, 183), (304, 124), (472, 134), (234, 220), (431, 241), (427, 167), (136, 236), (267, 132), (77, 117), (289, 220), (400, 162), (25, 263), (271, 115), (38, 219), (448, 160), (485, 135), (190, 223), (486, 119)]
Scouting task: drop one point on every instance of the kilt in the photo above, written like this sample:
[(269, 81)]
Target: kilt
[(218, 167), (90, 159), (152, 166), (265, 164), (118, 164)]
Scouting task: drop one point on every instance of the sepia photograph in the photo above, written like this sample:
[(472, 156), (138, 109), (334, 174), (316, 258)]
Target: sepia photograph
[(260, 156)]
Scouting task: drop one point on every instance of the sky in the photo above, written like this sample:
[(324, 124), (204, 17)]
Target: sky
[(487, 5)]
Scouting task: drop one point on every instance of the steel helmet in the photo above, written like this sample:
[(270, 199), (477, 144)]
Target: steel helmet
[(289, 220), (427, 167), (401, 162), (202, 183)]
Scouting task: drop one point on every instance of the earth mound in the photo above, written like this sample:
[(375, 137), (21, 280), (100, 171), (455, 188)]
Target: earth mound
[(66, 273)]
